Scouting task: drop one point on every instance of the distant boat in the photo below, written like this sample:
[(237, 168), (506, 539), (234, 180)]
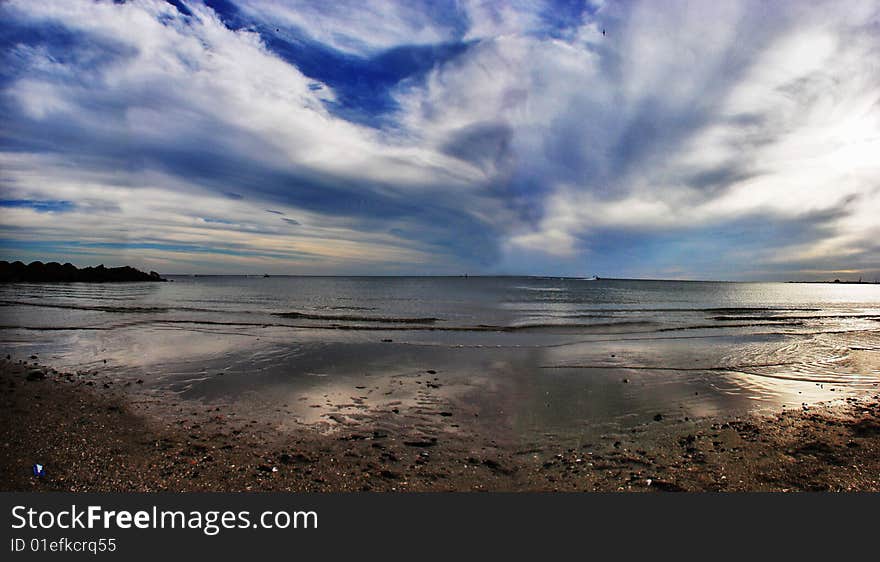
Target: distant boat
[(593, 278), (265, 275)]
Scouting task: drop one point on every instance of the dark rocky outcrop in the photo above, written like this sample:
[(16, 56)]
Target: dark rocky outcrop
[(54, 272)]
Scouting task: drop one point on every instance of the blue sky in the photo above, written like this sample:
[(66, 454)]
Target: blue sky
[(664, 139)]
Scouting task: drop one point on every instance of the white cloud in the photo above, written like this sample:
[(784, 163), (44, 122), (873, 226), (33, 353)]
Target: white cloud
[(791, 129), (359, 28), (694, 116)]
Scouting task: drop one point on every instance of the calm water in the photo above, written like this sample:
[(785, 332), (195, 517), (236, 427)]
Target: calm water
[(530, 355)]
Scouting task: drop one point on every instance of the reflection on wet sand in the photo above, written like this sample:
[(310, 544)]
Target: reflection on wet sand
[(576, 390)]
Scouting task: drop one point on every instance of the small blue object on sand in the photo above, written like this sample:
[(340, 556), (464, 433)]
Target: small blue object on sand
[(39, 471)]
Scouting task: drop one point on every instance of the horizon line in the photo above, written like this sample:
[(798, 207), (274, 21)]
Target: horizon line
[(528, 276)]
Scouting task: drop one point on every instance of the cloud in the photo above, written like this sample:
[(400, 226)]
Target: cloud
[(721, 140), (361, 28)]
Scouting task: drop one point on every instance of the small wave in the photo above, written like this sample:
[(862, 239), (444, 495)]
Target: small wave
[(357, 318), (114, 309), (57, 328), (724, 326), (131, 309), (754, 309), (659, 309), (586, 316), (416, 327), (772, 317), (222, 323), (552, 325)]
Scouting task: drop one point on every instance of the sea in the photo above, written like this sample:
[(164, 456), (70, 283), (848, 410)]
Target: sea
[(530, 355)]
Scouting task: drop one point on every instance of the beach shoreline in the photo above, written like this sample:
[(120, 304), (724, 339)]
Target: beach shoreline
[(93, 433)]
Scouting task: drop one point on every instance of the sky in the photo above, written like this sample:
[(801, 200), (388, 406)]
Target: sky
[(731, 140)]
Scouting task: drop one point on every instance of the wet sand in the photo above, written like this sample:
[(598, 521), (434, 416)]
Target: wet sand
[(94, 432)]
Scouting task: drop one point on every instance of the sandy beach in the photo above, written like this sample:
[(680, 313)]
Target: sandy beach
[(93, 433)]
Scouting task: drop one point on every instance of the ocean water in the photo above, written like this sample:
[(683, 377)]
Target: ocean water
[(529, 356)]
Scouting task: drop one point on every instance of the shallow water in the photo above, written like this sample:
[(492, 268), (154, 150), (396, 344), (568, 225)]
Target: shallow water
[(525, 356)]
